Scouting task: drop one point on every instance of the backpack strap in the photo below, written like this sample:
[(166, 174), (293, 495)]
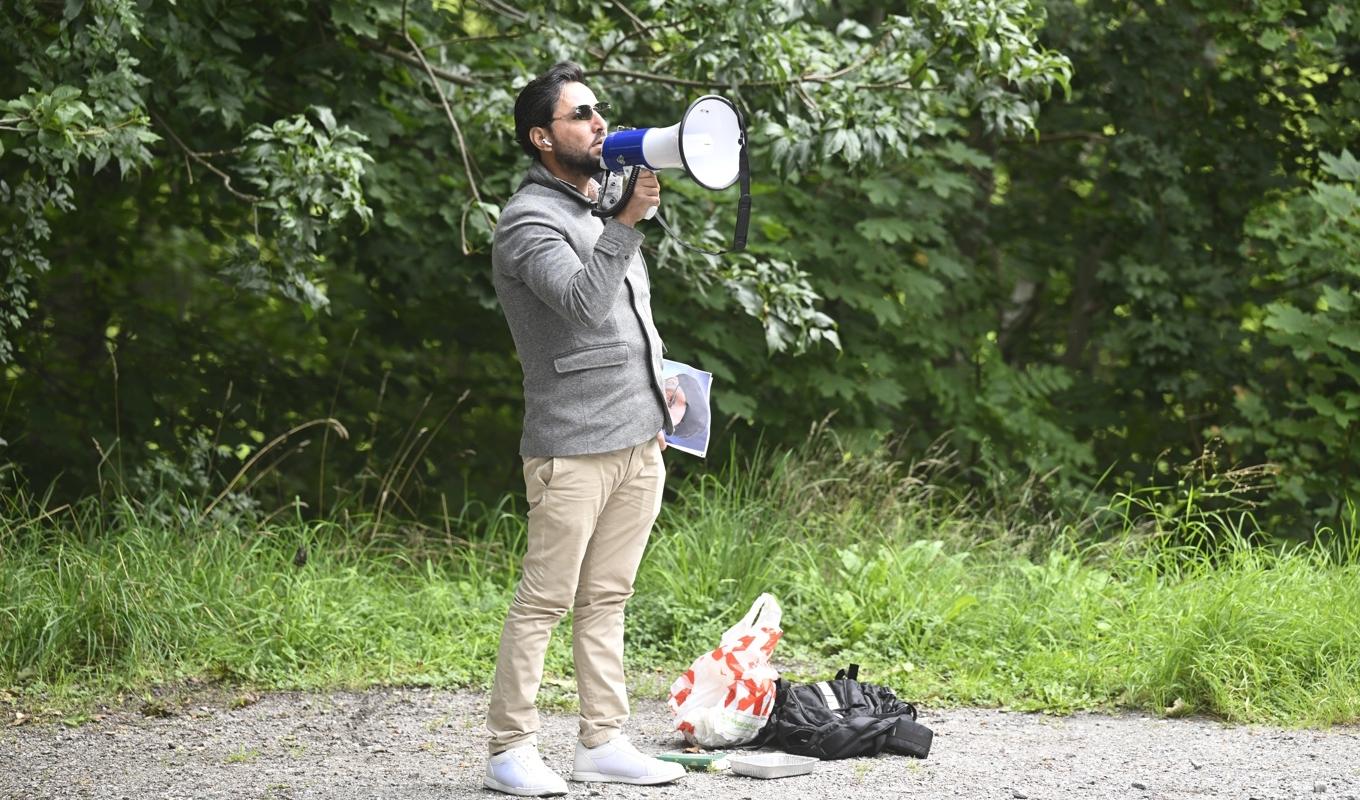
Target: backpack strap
[(851, 672), (829, 695)]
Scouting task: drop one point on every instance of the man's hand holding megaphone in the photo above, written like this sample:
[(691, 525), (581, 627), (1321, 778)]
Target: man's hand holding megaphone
[(644, 201)]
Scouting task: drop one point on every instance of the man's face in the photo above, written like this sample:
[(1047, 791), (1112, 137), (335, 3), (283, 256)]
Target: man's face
[(577, 142), (676, 402)]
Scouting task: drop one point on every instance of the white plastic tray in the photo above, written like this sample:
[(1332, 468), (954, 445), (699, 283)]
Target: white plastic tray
[(771, 765)]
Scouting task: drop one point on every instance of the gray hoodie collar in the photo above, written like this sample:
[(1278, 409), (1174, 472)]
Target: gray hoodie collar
[(540, 175)]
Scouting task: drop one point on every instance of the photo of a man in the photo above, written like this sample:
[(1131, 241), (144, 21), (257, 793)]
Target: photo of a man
[(687, 394)]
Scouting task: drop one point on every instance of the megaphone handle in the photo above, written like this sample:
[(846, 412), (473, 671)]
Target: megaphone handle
[(624, 196)]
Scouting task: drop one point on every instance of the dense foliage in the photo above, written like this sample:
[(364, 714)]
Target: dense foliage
[(1067, 235)]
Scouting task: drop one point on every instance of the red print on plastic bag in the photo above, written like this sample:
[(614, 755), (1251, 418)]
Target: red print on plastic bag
[(726, 697)]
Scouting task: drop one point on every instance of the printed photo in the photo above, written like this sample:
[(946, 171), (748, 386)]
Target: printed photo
[(687, 392)]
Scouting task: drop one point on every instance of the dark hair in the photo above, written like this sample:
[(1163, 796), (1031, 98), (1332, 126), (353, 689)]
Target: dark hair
[(696, 408), (538, 100)]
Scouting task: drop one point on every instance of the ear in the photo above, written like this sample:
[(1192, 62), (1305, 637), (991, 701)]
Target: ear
[(538, 137)]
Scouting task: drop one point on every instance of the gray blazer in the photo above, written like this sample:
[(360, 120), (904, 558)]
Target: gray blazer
[(575, 293)]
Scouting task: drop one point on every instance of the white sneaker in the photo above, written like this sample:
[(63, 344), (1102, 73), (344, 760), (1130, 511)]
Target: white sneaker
[(618, 761), (520, 771)]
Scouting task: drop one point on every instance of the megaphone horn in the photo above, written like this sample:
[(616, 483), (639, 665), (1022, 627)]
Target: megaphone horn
[(706, 143)]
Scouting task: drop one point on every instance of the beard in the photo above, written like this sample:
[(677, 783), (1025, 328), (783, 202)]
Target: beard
[(579, 163)]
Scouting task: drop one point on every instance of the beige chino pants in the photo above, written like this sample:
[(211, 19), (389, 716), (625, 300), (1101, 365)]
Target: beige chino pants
[(589, 519)]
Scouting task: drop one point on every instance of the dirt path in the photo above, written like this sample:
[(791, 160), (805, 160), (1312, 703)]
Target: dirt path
[(413, 743)]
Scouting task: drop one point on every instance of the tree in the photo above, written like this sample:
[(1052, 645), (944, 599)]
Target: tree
[(1131, 228), (305, 194)]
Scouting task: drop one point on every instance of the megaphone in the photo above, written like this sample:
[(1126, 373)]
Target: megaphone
[(706, 143)]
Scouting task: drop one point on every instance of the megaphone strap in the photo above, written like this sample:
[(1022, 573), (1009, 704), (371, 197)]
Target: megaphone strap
[(744, 204), (606, 211), (743, 212), (692, 248)]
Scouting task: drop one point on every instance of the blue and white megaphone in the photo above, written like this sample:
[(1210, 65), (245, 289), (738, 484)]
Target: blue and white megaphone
[(708, 143)]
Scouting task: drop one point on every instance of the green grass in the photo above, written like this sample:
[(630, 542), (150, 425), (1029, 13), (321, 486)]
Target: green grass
[(1152, 601)]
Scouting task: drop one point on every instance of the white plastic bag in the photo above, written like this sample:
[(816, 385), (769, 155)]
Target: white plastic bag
[(727, 695)]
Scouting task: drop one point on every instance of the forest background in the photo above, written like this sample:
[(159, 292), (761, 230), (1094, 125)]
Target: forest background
[(1053, 256), (1078, 240)]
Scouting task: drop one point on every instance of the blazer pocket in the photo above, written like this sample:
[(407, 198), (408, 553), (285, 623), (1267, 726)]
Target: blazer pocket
[(600, 355)]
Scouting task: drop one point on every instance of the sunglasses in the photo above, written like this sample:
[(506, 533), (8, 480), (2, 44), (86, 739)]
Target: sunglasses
[(585, 111)]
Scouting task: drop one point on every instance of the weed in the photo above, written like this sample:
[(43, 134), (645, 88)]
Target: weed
[(242, 755), (157, 707)]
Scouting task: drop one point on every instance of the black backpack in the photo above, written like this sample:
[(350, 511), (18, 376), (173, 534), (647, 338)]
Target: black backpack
[(842, 718)]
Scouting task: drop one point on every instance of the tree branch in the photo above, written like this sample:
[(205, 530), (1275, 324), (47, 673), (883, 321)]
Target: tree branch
[(384, 50), (638, 25), (505, 9), (453, 121), (468, 39), (861, 61), (199, 157), (1063, 136), (898, 84), (664, 79), (604, 59)]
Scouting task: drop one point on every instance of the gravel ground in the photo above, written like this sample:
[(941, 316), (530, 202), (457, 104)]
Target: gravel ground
[(415, 743)]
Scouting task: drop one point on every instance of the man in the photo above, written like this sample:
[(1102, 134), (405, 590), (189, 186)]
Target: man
[(576, 296)]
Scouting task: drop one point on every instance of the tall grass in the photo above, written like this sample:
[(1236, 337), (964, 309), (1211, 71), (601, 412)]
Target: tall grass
[(1158, 599), (304, 604), (1141, 602)]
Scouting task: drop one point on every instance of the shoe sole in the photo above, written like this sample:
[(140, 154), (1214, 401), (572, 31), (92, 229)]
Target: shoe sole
[(544, 791), (645, 780)]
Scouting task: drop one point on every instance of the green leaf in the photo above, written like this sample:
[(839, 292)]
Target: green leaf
[(1337, 200), (1347, 337), (1326, 408), (1273, 39), (736, 404), (224, 41), (1344, 167), (1287, 319), (1339, 17), (326, 117), (887, 229)]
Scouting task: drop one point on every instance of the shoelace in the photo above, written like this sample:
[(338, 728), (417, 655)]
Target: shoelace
[(625, 744), (526, 759)]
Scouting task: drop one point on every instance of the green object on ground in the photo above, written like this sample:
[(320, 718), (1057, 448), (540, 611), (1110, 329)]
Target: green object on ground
[(695, 762)]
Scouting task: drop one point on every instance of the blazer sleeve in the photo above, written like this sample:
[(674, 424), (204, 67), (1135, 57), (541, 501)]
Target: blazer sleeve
[(537, 253)]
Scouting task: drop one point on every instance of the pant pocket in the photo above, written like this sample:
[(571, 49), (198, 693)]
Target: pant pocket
[(538, 472)]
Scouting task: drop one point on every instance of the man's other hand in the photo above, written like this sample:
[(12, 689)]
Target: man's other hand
[(646, 194), (661, 439)]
